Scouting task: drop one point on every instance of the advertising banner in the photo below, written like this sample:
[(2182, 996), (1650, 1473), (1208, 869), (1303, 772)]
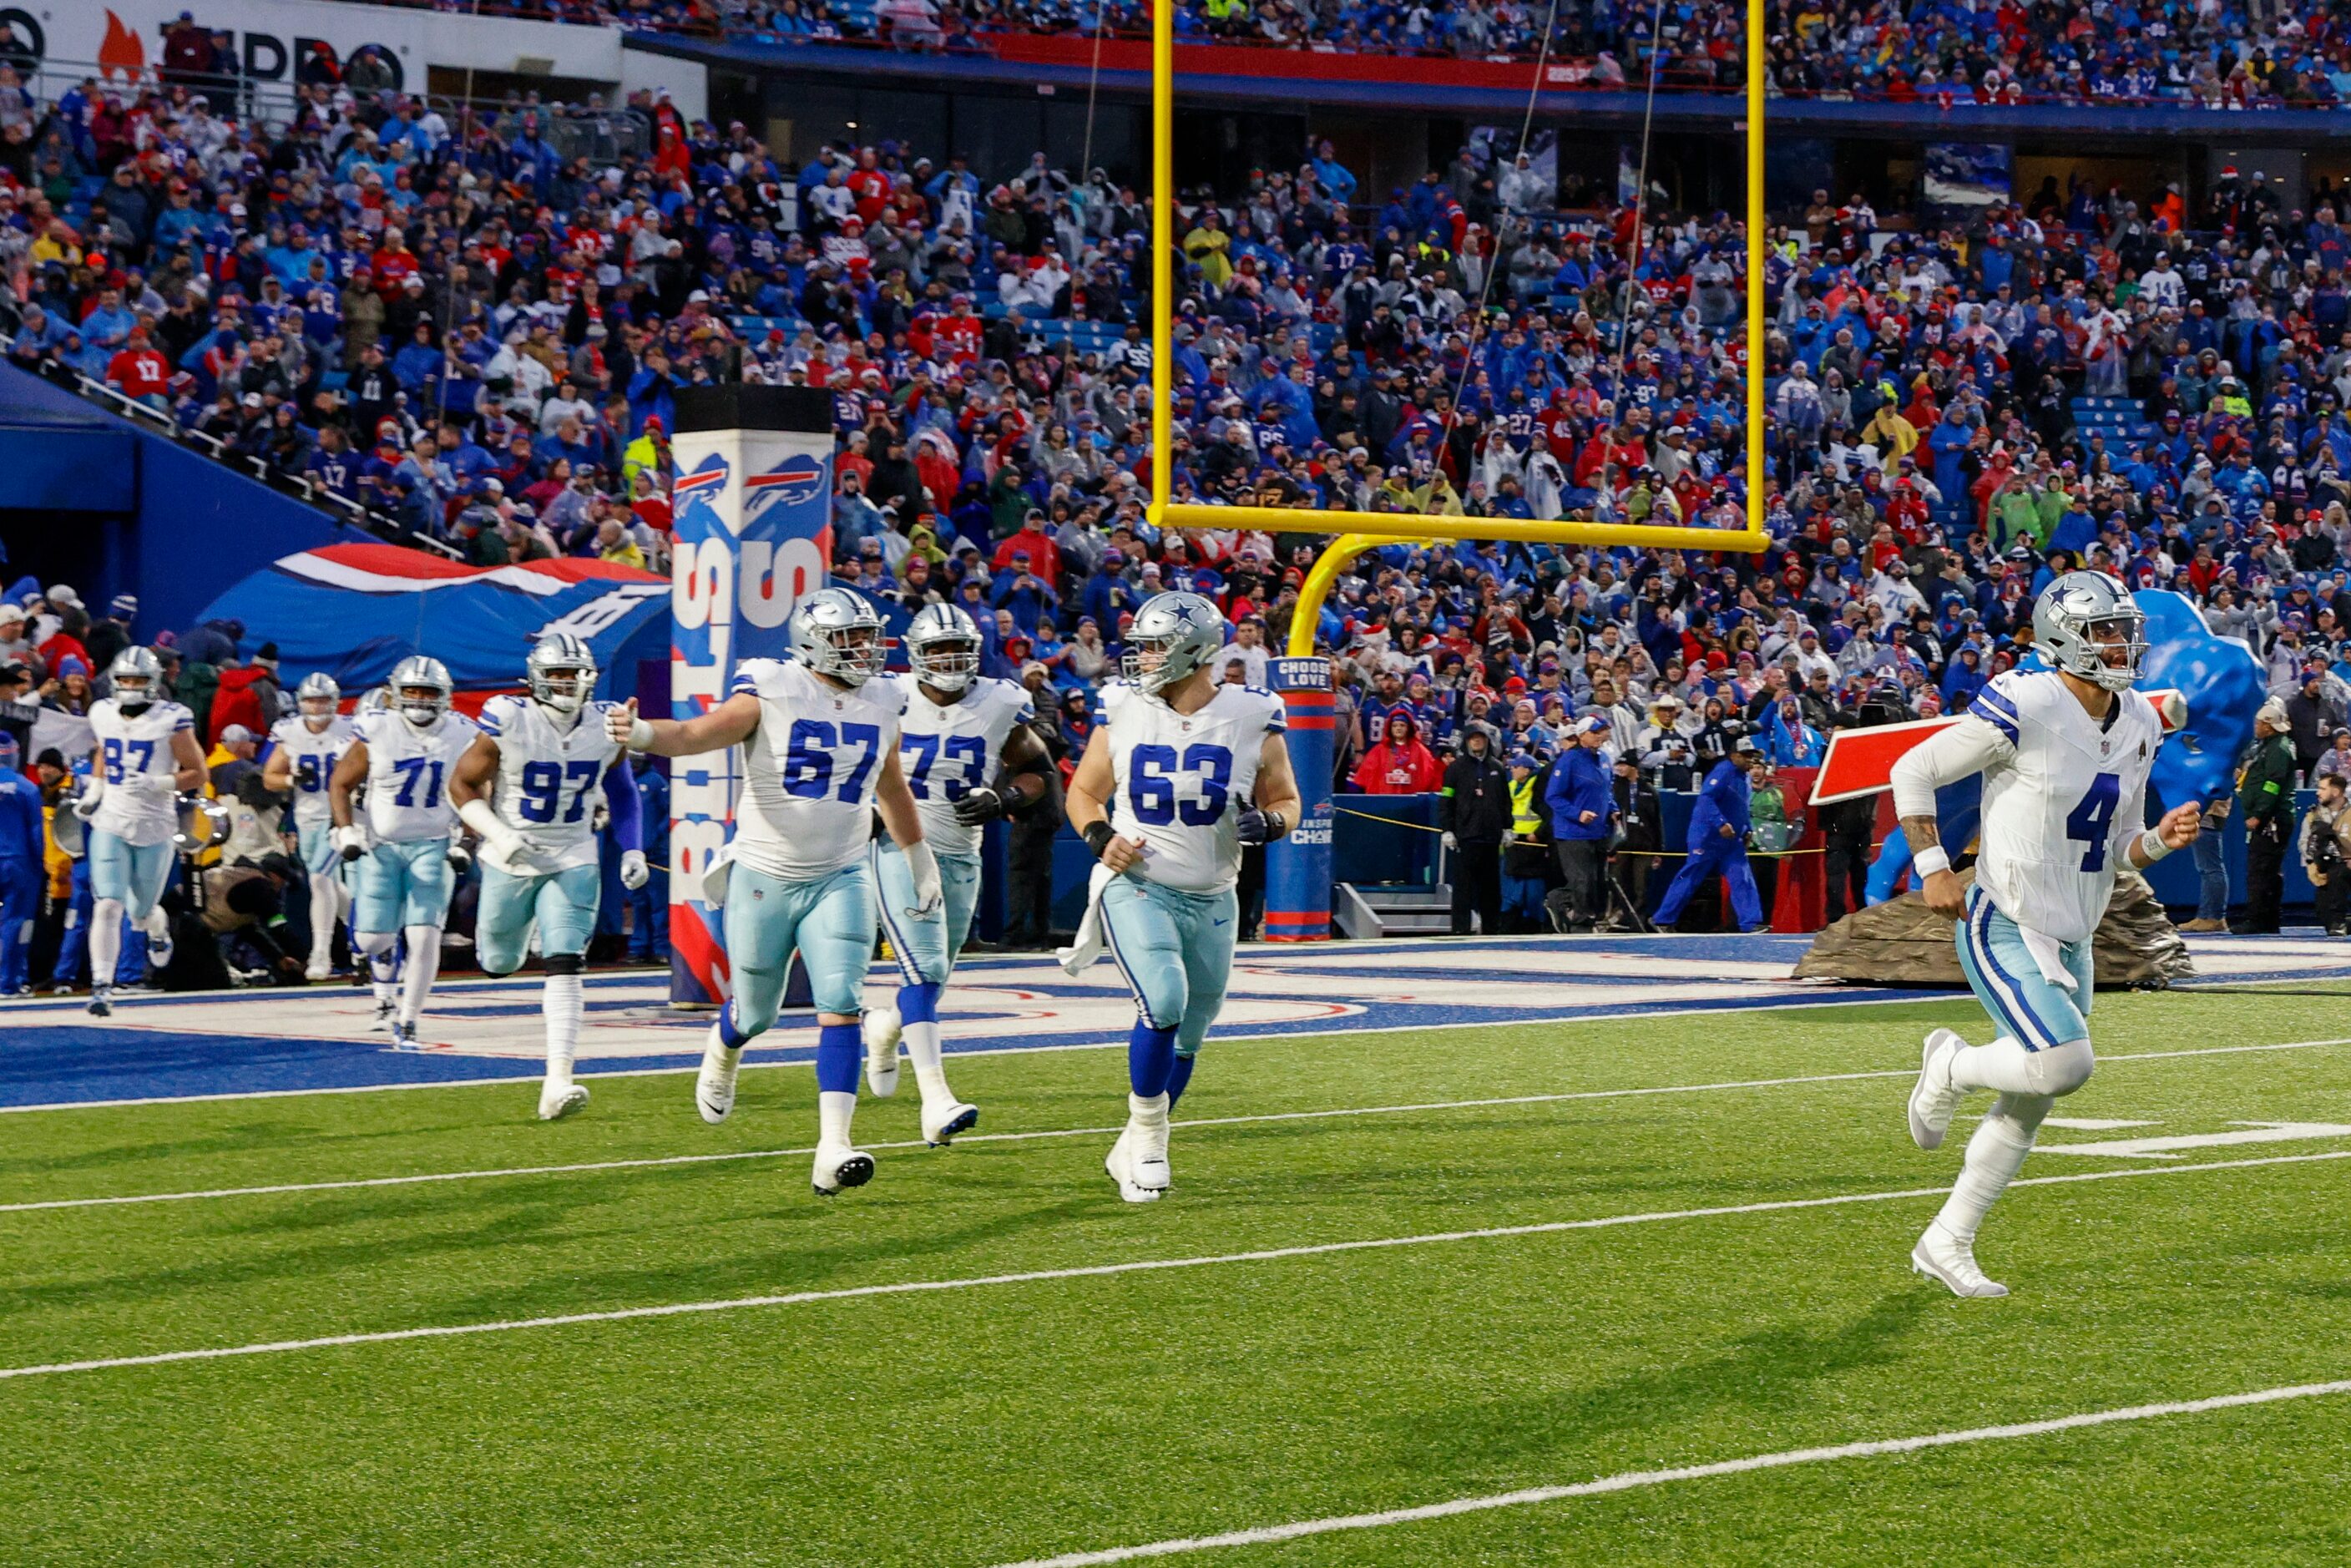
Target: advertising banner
[(1298, 866)]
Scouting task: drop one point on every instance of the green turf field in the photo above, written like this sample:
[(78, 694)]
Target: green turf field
[(999, 1422)]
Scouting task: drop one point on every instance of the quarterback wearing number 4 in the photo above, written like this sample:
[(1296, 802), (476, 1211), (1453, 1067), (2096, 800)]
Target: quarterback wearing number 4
[(1179, 775), (960, 729), (820, 738), (2065, 756), (525, 786)]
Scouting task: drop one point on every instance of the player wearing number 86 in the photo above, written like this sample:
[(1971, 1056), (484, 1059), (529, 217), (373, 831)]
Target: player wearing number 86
[(820, 738), (2064, 753), (303, 750), (1181, 773), (403, 756)]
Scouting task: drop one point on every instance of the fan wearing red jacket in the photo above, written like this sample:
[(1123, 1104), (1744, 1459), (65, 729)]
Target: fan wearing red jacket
[(1400, 764)]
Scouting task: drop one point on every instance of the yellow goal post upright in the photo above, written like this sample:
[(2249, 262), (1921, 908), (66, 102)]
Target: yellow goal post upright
[(1298, 869)]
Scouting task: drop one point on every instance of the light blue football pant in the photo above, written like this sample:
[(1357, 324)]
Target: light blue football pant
[(314, 843), (1175, 949), (401, 886), (563, 904), (131, 875), (2030, 1011), (829, 921), (925, 947)]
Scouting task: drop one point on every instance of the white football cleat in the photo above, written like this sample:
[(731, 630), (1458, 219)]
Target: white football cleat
[(101, 1001), (159, 946), (382, 1019), (1122, 1171), (713, 1086), (839, 1165), (1935, 1099), (557, 1101), (1146, 1146), (403, 1035), (943, 1121), (881, 1031), (315, 970), (1942, 1256)]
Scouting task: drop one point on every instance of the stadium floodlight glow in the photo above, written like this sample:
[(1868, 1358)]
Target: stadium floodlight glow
[(1362, 530)]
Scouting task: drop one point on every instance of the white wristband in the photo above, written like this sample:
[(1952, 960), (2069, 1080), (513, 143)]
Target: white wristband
[(1929, 861), (2151, 847), (640, 735)]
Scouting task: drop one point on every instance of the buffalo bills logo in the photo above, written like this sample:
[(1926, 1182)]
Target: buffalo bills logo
[(703, 485), (798, 481)]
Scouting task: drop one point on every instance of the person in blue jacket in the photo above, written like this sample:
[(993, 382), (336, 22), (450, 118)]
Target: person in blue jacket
[(21, 870), (1582, 800), (1718, 839)]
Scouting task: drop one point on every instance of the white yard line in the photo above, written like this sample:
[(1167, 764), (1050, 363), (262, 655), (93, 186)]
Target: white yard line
[(1103, 1270), (1630, 1481), (654, 1163)]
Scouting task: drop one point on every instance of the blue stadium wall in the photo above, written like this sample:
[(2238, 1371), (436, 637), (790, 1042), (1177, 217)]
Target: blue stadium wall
[(87, 497)]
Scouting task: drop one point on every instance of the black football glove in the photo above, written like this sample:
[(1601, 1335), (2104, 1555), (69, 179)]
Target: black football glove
[(1256, 827), (981, 806)]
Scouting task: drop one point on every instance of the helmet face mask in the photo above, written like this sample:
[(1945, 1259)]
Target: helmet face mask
[(317, 698), (137, 675), (562, 673), (942, 647), (1174, 635), (2087, 627), (836, 633), (420, 688)]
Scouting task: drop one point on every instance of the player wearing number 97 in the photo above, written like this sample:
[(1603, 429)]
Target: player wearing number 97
[(146, 753), (969, 757), (403, 754), (1179, 775), (2064, 753), (820, 738), (525, 786), (303, 751)]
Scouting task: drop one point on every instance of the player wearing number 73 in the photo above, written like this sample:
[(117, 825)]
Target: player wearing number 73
[(526, 785), (403, 755), (2064, 753), (1179, 775), (820, 738)]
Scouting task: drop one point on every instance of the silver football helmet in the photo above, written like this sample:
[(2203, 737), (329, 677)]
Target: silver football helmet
[(2066, 619), (836, 632), (561, 671), (942, 646), (375, 699), (317, 697), (421, 690), (202, 824), (137, 675), (1172, 635)]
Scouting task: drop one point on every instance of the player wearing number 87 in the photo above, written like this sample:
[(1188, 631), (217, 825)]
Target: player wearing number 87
[(2065, 757), (525, 786), (145, 754), (820, 738), (402, 755), (1180, 773)]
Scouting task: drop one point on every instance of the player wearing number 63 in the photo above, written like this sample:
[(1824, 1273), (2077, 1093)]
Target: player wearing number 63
[(2064, 753), (403, 755), (969, 757), (145, 754), (1178, 776), (820, 738), (525, 786)]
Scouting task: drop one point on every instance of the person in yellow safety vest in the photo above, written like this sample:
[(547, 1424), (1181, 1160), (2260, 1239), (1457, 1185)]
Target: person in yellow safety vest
[(1526, 858), (2232, 399), (648, 453)]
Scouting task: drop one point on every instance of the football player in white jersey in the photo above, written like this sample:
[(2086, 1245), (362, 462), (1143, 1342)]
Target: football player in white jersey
[(146, 753), (303, 751), (969, 757), (405, 756), (526, 787), (1178, 776), (820, 738), (2064, 753)]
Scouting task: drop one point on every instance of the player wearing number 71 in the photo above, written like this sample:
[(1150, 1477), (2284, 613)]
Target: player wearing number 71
[(2065, 757), (820, 738)]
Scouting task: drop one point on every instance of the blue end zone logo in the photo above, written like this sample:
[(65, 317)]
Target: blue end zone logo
[(799, 480)]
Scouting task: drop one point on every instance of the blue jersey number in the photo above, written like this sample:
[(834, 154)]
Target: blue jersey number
[(2093, 817), (966, 758), (420, 782), (1151, 784), (547, 786), (311, 774), (142, 753), (809, 753)]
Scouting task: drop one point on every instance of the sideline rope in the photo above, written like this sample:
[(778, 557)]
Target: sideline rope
[(1656, 854)]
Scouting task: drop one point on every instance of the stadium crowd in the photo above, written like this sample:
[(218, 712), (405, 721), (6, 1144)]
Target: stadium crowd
[(480, 340)]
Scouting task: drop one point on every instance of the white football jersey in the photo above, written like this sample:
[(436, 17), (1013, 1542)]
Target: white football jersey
[(311, 755), (1181, 778), (2063, 797), (949, 752), (141, 804), (810, 767), (408, 775), (548, 777)]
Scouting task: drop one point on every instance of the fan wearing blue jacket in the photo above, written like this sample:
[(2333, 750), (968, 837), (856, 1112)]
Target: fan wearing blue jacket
[(1718, 839)]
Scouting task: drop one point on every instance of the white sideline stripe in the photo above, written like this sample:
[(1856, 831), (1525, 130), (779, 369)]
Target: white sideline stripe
[(1104, 1270), (1630, 1481), (653, 1163)]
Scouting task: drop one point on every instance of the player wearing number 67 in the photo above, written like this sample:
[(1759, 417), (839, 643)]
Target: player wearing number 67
[(1178, 776), (525, 786), (402, 755), (820, 738), (2065, 757)]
